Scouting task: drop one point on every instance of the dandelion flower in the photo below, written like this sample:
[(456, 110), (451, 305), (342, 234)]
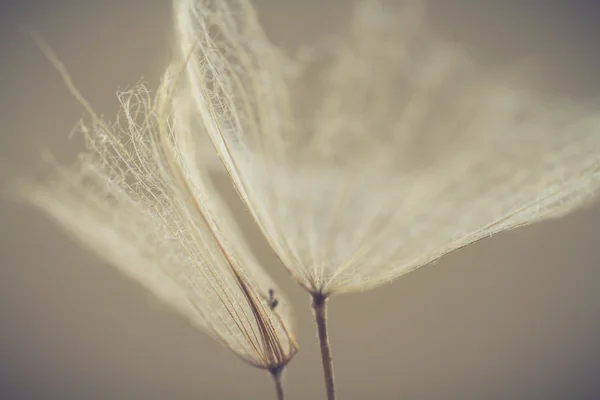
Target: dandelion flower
[(408, 152), (138, 200)]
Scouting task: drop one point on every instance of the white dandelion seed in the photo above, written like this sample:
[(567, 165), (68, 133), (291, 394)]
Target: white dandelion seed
[(408, 152), (138, 200)]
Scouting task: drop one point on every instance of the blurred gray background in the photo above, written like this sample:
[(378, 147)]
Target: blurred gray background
[(513, 317)]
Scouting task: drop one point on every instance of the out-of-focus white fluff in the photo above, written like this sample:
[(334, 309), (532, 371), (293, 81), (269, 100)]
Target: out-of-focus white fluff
[(409, 152), (138, 199)]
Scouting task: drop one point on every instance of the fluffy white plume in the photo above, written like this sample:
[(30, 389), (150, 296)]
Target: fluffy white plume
[(138, 199), (408, 152)]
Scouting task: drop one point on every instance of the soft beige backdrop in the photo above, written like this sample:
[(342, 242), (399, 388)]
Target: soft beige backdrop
[(513, 317)]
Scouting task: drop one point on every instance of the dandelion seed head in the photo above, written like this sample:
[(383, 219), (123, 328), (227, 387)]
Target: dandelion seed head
[(407, 150), (137, 199)]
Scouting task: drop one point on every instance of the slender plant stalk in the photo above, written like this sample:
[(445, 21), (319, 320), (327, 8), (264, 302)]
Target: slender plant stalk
[(320, 307), (276, 374)]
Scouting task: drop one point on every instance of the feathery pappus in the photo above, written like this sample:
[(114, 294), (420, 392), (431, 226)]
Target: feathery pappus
[(138, 200)]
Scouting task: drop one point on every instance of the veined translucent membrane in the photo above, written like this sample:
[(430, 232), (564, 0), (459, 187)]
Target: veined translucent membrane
[(407, 152), (138, 199)]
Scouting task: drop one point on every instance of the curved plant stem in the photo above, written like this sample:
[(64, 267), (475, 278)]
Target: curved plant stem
[(276, 374), (320, 308)]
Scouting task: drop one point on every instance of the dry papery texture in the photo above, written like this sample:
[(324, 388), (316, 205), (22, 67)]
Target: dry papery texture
[(407, 149), (138, 199)]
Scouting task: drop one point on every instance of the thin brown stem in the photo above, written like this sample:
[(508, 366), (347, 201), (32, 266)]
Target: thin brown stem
[(320, 308), (276, 374)]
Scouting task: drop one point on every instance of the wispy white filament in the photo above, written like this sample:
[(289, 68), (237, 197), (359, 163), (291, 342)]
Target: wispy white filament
[(408, 152), (138, 199)]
